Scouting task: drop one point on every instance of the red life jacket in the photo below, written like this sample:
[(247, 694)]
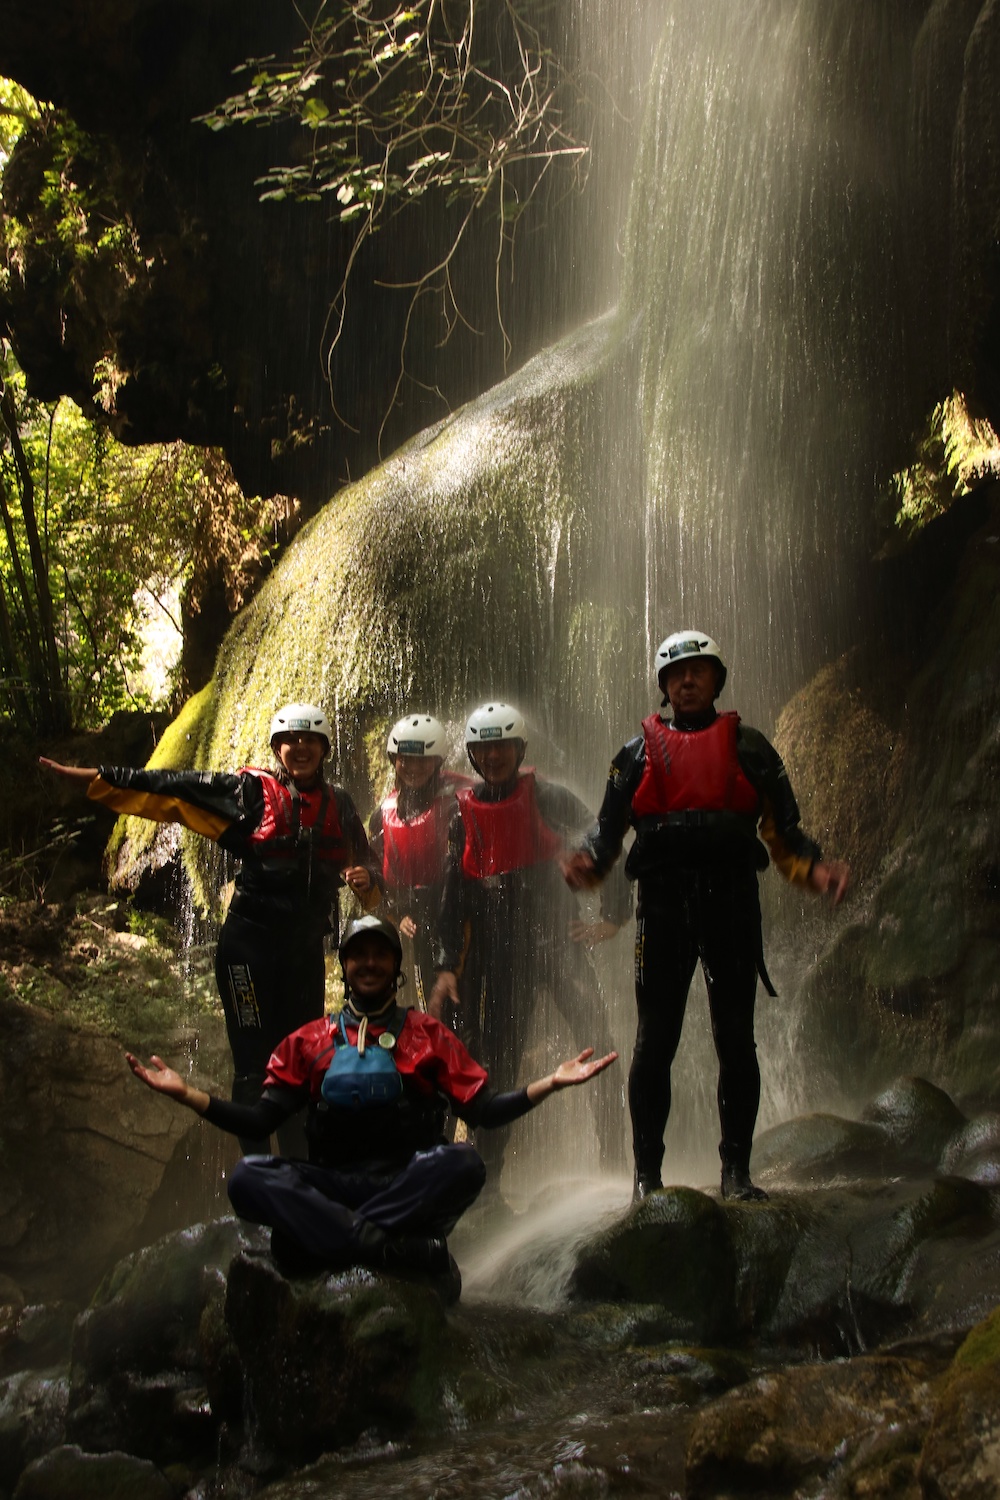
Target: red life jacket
[(289, 813), (506, 835), (413, 849), (691, 770)]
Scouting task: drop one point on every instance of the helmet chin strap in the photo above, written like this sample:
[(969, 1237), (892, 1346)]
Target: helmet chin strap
[(377, 1006)]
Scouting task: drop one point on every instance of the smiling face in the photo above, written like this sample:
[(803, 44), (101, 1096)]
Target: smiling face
[(497, 760), (370, 966), (415, 771), (301, 754), (691, 686)]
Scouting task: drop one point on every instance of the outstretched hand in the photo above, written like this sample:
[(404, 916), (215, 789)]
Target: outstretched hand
[(573, 1071), (830, 877), (82, 776), (164, 1080)]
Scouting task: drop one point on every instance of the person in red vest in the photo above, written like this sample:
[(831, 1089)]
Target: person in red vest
[(299, 839), (507, 927), (698, 787), (382, 1186), (408, 834)]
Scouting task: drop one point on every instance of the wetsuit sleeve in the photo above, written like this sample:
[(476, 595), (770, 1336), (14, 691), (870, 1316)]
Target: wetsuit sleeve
[(491, 1110), (252, 1121), (603, 842), (359, 850), (449, 946), (212, 803), (791, 850)]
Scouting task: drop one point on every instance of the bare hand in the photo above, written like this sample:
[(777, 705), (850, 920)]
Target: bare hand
[(358, 878), (445, 989), (163, 1080), (408, 927), (82, 776), (573, 1071), (579, 871), (830, 878), (592, 933), (158, 1076)]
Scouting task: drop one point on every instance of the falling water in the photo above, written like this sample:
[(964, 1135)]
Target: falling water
[(709, 454)]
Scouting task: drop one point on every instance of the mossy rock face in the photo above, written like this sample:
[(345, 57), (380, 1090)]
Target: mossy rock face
[(329, 1357), (471, 564), (781, 1432), (673, 1249), (138, 1371), (961, 1456)]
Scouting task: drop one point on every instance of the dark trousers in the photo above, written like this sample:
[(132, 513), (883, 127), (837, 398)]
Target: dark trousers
[(712, 917), (518, 949), (324, 1211), (271, 979)]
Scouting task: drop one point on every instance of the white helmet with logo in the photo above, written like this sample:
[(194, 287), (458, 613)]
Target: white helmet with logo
[(417, 734), (684, 644), (301, 718), (494, 721)]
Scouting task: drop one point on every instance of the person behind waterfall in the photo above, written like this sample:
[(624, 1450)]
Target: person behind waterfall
[(381, 1186), (697, 788), (506, 928), (298, 839), (408, 834)]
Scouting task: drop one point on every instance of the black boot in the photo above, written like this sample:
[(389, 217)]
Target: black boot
[(737, 1187), (644, 1184), (427, 1255)]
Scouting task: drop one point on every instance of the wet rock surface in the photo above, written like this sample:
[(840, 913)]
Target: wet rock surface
[(838, 1340)]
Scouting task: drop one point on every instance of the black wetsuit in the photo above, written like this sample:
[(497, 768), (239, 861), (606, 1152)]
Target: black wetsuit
[(507, 937), (269, 963), (698, 901)]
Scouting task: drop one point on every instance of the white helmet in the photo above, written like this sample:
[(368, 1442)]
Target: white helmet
[(494, 721), (301, 718), (417, 734), (684, 644)]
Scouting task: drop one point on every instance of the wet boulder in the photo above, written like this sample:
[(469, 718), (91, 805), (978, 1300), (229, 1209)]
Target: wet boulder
[(67, 1473), (974, 1150), (672, 1249), (819, 1149), (327, 1357), (138, 1378), (917, 1118), (32, 1419)]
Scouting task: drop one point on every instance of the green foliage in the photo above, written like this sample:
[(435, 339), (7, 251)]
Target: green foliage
[(122, 534), (954, 453)]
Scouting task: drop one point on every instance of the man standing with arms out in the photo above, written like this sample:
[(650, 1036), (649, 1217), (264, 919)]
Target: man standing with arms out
[(698, 788)]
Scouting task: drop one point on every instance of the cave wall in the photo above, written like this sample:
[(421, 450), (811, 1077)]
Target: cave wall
[(211, 307)]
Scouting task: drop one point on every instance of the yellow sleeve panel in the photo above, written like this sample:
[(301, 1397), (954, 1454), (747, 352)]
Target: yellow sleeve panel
[(157, 807), (794, 867)]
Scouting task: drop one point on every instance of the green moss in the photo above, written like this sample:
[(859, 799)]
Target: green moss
[(981, 1350)]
